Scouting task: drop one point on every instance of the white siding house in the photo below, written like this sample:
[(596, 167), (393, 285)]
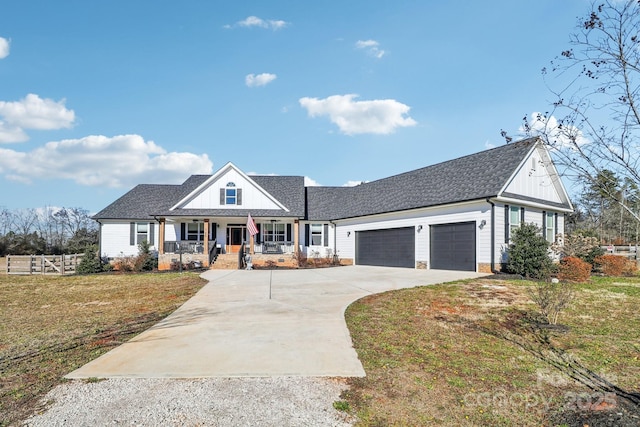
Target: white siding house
[(453, 215)]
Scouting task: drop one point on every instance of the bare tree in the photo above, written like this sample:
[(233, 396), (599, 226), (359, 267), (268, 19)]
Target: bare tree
[(24, 220), (6, 221), (594, 121)]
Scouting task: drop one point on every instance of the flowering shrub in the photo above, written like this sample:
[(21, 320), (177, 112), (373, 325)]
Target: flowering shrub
[(573, 269), (614, 265), (577, 245)]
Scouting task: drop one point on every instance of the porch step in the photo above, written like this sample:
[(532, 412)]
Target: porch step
[(225, 262)]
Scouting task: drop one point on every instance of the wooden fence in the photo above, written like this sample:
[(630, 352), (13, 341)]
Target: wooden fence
[(43, 264)]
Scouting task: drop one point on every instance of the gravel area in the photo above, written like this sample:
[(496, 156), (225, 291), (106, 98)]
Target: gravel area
[(272, 401)]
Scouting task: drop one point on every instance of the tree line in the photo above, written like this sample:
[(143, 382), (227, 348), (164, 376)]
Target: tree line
[(48, 230), (608, 208)]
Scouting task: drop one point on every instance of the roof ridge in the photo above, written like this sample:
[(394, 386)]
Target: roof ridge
[(458, 159)]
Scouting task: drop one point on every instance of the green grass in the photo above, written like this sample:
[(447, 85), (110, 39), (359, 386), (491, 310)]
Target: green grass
[(51, 325), (472, 353)]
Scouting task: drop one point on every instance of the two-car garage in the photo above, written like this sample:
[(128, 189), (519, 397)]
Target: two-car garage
[(451, 247)]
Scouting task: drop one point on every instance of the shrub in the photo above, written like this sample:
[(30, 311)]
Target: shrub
[(300, 258), (124, 263), (551, 298), (573, 269), (90, 262), (578, 245), (614, 265), (529, 253), (145, 261)]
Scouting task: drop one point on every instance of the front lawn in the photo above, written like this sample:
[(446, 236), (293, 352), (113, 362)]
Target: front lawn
[(476, 353), (51, 325)]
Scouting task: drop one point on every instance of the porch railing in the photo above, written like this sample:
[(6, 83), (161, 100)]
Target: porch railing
[(274, 248), (186, 247)]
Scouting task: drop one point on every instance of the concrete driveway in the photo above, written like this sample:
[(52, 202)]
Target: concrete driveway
[(260, 323)]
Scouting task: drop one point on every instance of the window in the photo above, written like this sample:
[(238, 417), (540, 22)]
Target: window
[(316, 234), (513, 218), (230, 194), (195, 231), (142, 231), (273, 232), (549, 225)]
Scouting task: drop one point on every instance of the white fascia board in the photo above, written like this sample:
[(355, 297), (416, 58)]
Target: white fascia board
[(521, 202), (215, 177)]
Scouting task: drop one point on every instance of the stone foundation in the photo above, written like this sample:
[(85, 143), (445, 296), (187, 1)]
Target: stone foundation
[(165, 260)]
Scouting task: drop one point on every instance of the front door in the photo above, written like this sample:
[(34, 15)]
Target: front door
[(236, 235)]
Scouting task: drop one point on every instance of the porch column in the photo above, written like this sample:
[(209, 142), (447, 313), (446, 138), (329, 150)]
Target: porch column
[(251, 244), (206, 236), (161, 236), (296, 236)]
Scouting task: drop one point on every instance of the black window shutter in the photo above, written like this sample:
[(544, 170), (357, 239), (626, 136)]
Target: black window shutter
[(521, 215), (214, 230), (151, 234), (307, 235), (288, 237), (132, 233), (183, 231), (555, 225), (239, 196), (544, 223), (258, 239), (326, 234), (506, 223), (222, 196)]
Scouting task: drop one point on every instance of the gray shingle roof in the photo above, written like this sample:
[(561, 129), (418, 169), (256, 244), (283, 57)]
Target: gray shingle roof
[(147, 200), (472, 177)]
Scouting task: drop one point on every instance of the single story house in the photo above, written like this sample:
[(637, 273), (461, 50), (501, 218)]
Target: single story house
[(456, 215)]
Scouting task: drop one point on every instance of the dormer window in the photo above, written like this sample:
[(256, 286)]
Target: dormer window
[(230, 195)]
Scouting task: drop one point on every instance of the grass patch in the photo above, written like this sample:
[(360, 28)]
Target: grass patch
[(475, 353), (51, 325)]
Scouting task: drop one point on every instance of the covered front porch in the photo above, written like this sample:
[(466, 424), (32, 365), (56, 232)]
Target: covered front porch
[(204, 239)]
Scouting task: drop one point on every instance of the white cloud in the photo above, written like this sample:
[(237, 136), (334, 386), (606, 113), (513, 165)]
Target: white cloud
[(254, 21), (10, 133), (558, 135), (308, 182), (253, 80), (98, 160), (4, 47), (371, 47), (353, 183), (488, 145), (379, 116), (32, 112)]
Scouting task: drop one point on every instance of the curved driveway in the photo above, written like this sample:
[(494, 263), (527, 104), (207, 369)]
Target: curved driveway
[(260, 323)]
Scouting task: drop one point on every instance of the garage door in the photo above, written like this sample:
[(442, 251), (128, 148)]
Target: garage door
[(453, 246), (393, 247)]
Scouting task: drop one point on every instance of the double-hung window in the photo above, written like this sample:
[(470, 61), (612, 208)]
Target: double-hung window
[(142, 232), (549, 226), (273, 232), (514, 217), (231, 194), (195, 231), (316, 234)]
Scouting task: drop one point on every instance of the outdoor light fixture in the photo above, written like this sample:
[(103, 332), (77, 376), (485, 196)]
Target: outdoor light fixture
[(348, 233), (419, 228), (483, 223)]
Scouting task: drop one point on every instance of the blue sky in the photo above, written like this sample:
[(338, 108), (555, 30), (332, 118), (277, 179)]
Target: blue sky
[(96, 97)]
